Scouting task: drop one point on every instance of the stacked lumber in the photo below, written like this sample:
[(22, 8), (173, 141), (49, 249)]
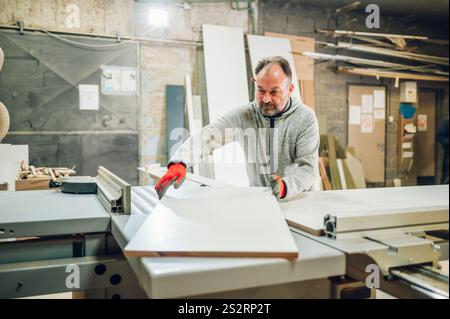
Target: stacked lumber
[(53, 173), (31, 177), (338, 167)]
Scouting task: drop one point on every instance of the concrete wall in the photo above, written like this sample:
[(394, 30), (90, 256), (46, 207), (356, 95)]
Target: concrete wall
[(330, 88), (163, 64), (160, 64)]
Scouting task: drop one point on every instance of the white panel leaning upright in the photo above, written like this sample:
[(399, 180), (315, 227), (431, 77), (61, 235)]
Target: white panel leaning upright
[(250, 225), (261, 47), (227, 88)]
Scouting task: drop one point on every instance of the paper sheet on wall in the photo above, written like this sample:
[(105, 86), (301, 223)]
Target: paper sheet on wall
[(354, 115), (406, 145), (379, 99), (422, 122), (110, 80), (366, 123), (118, 80), (367, 104), (408, 154), (379, 114), (128, 80), (89, 99), (410, 128)]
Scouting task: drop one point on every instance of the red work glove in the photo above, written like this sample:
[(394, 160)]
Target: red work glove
[(278, 186), (176, 173)]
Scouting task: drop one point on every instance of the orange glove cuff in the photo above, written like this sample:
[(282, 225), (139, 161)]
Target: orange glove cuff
[(282, 187)]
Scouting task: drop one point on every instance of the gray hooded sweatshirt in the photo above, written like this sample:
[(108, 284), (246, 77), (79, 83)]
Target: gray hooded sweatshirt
[(286, 145)]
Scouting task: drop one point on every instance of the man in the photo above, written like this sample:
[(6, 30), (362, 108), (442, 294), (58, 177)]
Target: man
[(283, 153), (442, 138)]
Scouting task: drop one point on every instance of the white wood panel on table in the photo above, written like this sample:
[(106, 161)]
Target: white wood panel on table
[(243, 224), (308, 210), (261, 47), (227, 88)]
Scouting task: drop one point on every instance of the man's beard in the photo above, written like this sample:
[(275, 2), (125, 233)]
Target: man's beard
[(269, 109)]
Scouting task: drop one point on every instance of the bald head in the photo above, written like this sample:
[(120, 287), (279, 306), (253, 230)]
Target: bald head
[(273, 75), (272, 61)]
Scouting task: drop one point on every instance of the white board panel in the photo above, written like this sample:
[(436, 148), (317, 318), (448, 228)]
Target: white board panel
[(308, 210), (261, 47), (227, 88), (250, 225), (10, 158)]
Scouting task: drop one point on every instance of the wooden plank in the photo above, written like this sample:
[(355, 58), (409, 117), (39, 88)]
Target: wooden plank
[(307, 93), (355, 170), (32, 184), (394, 53), (347, 175), (324, 175), (334, 172), (392, 75), (341, 173), (372, 34), (251, 225), (227, 88), (383, 64)]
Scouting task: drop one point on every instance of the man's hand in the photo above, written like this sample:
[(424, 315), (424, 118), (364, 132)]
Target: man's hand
[(278, 186), (176, 173)]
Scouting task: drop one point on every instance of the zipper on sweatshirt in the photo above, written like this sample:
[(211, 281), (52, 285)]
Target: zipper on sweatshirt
[(272, 137), (271, 145)]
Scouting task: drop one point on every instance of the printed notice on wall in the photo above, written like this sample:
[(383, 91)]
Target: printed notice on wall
[(366, 123), (379, 114), (89, 99), (128, 80), (367, 104), (422, 122), (110, 81), (354, 115), (118, 80), (379, 99)]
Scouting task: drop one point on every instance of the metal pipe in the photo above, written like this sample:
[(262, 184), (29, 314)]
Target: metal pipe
[(116, 132), (111, 37), (372, 34), (355, 60)]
